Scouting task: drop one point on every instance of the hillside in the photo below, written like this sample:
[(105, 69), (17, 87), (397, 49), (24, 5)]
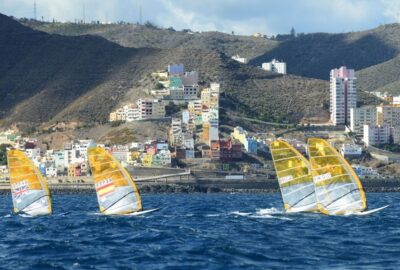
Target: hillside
[(48, 78), (382, 77), (141, 36), (309, 55), (41, 74), (314, 55)]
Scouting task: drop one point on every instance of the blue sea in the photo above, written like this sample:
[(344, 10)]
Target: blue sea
[(200, 231)]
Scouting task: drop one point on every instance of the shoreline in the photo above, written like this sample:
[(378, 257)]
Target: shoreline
[(206, 186)]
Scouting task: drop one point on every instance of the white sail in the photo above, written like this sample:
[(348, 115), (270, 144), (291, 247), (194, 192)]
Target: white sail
[(338, 188), (29, 190), (116, 192), (294, 177)]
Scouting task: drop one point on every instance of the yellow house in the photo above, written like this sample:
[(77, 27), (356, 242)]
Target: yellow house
[(113, 117), (206, 132), (214, 100), (205, 96), (162, 76), (239, 134), (135, 155), (72, 170), (195, 107), (147, 160)]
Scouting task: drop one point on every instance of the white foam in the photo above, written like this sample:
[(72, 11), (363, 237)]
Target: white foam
[(268, 211), (238, 213), (213, 215), (95, 214), (270, 217), (26, 216)]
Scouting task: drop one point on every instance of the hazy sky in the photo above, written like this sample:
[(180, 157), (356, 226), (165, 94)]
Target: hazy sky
[(242, 16)]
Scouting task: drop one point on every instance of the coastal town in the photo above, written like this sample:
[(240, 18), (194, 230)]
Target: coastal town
[(193, 133), (194, 139)]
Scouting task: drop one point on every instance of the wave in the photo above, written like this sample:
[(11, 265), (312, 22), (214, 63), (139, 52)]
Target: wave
[(270, 211), (238, 213), (266, 213), (213, 215)]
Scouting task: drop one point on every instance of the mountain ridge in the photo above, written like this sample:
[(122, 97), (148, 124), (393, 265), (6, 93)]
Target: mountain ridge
[(50, 78), (310, 55)]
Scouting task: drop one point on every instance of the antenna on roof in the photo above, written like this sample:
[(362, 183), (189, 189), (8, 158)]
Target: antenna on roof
[(140, 13), (34, 9), (83, 11)]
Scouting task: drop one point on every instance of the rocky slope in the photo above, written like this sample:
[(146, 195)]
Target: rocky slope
[(49, 78)]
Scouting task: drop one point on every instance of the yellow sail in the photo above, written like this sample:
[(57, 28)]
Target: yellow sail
[(30, 193), (294, 177), (338, 188), (116, 191)]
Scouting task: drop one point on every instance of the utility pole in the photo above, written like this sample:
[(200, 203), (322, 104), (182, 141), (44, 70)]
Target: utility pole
[(34, 9), (83, 13), (140, 13)]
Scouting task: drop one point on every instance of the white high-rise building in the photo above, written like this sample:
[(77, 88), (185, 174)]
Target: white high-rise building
[(376, 135), (365, 115), (214, 130), (176, 132), (388, 115), (275, 66), (343, 95)]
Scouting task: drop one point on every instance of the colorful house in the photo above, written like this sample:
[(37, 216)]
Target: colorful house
[(162, 159), (206, 151), (229, 150), (175, 82), (147, 160), (249, 143), (135, 155), (206, 133)]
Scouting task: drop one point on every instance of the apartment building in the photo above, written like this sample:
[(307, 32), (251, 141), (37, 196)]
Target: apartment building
[(376, 135), (343, 95), (365, 115), (349, 149), (150, 109), (275, 66), (388, 115), (175, 137)]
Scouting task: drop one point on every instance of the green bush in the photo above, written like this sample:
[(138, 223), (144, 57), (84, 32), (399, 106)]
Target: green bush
[(3, 153), (159, 86)]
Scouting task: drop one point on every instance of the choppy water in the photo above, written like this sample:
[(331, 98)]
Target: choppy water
[(198, 231)]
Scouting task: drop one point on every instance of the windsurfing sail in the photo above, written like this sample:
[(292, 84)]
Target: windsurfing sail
[(30, 193), (294, 177), (338, 188), (116, 191)]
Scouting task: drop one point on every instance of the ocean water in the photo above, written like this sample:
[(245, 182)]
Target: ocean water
[(200, 231)]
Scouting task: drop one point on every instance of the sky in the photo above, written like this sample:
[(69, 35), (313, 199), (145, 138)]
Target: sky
[(269, 17)]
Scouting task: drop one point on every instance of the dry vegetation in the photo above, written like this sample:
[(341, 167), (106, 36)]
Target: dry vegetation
[(142, 36), (51, 78)]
